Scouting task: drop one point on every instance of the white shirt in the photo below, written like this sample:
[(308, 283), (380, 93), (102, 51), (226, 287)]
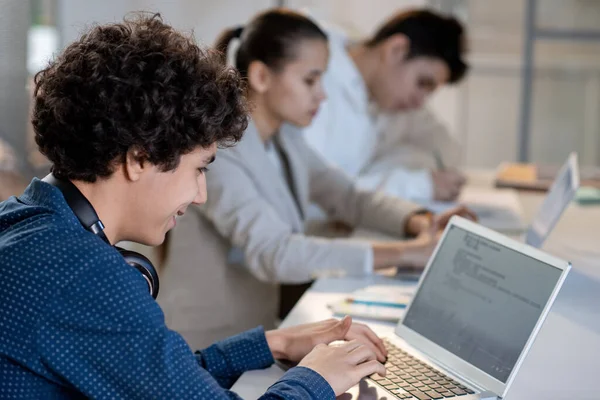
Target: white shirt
[(368, 146)]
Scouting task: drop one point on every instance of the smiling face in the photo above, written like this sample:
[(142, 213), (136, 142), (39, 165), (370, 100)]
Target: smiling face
[(294, 92), (161, 196)]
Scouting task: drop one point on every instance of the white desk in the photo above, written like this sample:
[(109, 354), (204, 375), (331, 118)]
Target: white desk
[(565, 359)]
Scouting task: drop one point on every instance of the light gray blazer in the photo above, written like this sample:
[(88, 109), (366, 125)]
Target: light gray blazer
[(226, 257)]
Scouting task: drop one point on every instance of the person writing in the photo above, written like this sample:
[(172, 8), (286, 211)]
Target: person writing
[(375, 125)]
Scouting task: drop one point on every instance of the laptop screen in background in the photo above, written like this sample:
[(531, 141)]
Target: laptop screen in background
[(558, 198), (481, 301)]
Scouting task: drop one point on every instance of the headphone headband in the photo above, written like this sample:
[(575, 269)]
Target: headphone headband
[(87, 216), (82, 208)]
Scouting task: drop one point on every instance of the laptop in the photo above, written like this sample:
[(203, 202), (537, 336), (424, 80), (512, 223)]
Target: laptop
[(477, 310), (500, 209), (559, 196)]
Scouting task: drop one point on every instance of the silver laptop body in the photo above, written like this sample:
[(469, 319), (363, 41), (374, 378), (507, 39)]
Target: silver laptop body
[(478, 308)]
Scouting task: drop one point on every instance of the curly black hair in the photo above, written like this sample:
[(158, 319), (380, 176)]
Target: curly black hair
[(138, 84)]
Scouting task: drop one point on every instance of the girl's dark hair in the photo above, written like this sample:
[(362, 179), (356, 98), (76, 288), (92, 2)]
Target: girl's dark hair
[(270, 38), (430, 35), (136, 84)]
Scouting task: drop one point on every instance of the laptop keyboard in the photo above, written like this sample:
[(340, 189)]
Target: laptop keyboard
[(409, 378)]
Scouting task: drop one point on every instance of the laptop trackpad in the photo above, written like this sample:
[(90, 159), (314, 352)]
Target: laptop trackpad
[(369, 390), (366, 390)]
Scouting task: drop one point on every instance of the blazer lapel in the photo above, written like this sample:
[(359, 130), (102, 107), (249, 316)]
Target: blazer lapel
[(300, 178), (251, 150)]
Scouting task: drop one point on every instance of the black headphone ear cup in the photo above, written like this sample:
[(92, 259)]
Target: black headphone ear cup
[(142, 264)]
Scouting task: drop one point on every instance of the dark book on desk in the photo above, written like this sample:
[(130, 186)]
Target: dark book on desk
[(539, 177)]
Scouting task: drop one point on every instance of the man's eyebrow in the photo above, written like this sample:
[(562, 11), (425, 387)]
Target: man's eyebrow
[(210, 160)]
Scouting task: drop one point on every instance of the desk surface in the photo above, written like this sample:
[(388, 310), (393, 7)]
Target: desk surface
[(564, 360)]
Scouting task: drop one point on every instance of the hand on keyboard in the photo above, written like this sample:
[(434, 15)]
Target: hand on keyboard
[(410, 378)]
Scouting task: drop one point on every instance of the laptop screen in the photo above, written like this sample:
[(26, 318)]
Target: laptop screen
[(558, 198), (481, 301)]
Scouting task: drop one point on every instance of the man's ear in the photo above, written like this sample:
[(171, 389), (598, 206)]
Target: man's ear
[(136, 163), (395, 48), (259, 76)]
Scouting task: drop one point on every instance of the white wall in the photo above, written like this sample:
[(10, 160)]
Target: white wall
[(206, 17), (358, 16), (14, 22), (566, 88)]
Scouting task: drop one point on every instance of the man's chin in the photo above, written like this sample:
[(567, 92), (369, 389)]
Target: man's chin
[(152, 242)]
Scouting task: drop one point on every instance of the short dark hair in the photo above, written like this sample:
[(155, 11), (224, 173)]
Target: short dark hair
[(136, 84), (430, 35), (270, 37)]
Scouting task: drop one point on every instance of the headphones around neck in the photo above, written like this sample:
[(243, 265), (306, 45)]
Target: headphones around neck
[(85, 213)]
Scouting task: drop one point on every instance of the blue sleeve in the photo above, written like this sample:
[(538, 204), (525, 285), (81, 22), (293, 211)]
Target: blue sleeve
[(300, 383), (230, 358), (104, 336)]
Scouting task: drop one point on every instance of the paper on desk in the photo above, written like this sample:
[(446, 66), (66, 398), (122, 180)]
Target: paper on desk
[(498, 209), (380, 293)]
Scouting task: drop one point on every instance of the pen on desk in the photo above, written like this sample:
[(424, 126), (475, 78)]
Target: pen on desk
[(438, 160), (375, 303)]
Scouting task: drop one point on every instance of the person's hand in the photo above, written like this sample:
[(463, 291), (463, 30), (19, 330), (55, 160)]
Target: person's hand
[(340, 228), (420, 223), (439, 221), (447, 184), (296, 342), (416, 252), (343, 366)]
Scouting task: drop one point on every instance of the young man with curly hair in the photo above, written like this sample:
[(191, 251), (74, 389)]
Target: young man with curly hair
[(130, 115)]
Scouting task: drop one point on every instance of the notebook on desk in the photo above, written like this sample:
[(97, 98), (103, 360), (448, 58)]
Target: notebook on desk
[(375, 302), (539, 177)]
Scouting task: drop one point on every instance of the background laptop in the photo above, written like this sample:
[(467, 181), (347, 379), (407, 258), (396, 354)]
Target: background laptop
[(501, 210), (559, 196), (478, 308)]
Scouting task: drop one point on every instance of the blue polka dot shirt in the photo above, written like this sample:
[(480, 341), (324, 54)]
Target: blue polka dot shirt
[(76, 321)]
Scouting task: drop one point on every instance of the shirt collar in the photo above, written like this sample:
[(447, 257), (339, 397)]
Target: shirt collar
[(40, 193), (345, 71)]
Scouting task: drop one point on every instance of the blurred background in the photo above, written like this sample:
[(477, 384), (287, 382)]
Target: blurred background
[(533, 92)]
